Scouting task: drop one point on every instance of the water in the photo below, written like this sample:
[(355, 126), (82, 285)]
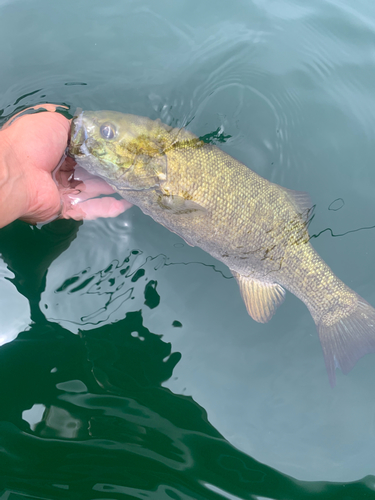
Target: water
[(129, 366)]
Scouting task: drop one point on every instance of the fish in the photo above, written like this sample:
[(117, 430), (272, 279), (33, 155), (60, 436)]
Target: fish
[(257, 228)]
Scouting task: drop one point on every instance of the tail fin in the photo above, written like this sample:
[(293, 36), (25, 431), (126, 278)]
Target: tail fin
[(347, 340)]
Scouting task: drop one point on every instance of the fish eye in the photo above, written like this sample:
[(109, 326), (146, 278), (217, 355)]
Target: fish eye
[(107, 131)]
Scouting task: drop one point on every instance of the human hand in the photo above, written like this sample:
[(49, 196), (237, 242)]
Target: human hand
[(31, 147)]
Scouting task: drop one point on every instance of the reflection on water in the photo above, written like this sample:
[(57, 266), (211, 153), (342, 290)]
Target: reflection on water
[(104, 292), (29, 251), (95, 404)]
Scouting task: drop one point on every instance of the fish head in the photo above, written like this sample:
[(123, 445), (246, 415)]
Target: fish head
[(128, 151)]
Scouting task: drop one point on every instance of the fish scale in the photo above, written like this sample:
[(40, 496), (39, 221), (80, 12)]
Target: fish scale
[(255, 227)]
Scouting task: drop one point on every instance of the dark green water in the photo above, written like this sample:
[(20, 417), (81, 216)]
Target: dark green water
[(129, 366)]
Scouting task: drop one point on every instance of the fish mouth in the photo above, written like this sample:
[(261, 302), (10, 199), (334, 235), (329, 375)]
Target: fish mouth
[(84, 148), (77, 135)]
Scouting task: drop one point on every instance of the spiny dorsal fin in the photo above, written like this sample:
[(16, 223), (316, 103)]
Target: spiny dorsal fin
[(261, 298)]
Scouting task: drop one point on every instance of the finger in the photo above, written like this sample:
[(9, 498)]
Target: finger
[(37, 141), (93, 209), (84, 191), (64, 174), (47, 106), (96, 186), (82, 174), (69, 175)]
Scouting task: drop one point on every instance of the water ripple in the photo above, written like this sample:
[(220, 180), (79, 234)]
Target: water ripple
[(103, 294)]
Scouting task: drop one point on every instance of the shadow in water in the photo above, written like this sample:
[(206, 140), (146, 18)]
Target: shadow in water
[(29, 251), (86, 416), (108, 426)]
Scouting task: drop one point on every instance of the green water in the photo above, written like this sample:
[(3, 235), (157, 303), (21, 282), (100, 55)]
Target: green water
[(129, 366)]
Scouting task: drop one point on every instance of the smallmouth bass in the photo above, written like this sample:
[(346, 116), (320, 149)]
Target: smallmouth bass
[(255, 227)]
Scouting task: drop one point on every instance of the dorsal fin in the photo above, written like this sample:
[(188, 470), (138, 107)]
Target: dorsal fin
[(301, 201)]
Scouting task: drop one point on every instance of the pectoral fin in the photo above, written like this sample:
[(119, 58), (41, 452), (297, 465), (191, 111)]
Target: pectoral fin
[(261, 298), (181, 206)]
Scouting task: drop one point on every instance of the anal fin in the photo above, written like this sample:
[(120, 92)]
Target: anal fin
[(261, 298)]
